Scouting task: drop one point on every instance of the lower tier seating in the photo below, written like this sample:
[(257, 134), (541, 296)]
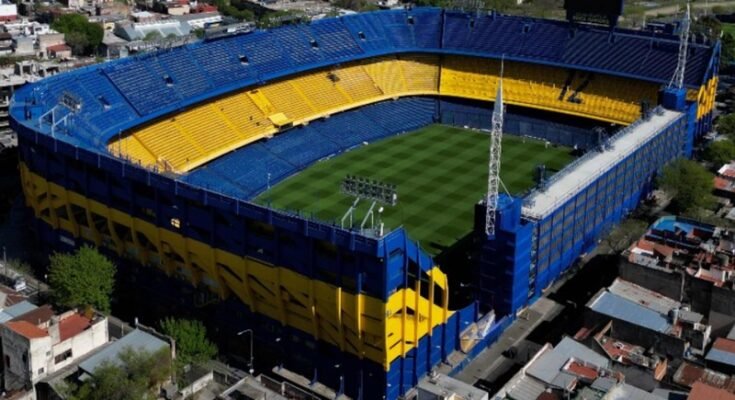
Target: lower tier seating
[(249, 170)]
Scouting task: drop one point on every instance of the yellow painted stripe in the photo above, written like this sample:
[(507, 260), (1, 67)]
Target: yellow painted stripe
[(359, 324)]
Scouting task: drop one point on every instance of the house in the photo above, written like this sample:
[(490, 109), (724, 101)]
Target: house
[(50, 40), (40, 342), (8, 11), (59, 52)]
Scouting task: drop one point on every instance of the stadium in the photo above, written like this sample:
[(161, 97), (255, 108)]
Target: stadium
[(234, 164)]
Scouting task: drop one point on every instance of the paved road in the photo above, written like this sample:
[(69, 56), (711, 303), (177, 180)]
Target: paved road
[(491, 362)]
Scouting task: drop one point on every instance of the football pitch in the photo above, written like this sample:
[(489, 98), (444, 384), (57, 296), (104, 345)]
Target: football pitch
[(440, 173)]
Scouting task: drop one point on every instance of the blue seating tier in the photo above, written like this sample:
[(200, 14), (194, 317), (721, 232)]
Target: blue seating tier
[(165, 81), (248, 170)]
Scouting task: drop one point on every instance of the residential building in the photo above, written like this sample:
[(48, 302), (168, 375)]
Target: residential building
[(724, 182), (569, 370), (8, 11), (702, 391), (688, 374), (689, 261), (40, 342), (648, 318), (722, 355)]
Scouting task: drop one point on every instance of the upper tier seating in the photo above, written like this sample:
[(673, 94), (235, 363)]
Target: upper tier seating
[(162, 82), (584, 94), (212, 129)]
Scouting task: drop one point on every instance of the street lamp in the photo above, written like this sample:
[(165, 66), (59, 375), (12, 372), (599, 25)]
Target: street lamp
[(250, 363)]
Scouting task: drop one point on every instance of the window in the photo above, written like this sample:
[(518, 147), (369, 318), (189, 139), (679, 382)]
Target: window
[(62, 357)]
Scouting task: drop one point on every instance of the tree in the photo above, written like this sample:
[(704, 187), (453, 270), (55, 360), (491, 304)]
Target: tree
[(720, 152), (727, 56), (689, 184), (82, 35), (83, 279), (152, 36), (136, 374), (625, 234), (192, 345), (726, 125)]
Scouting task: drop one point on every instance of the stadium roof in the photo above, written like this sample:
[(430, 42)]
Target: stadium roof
[(570, 181), (121, 94)]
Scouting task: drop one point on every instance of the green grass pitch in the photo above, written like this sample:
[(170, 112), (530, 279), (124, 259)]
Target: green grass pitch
[(440, 173)]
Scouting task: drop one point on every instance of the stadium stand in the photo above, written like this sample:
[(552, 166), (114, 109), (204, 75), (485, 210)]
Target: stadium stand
[(239, 113), (144, 86), (334, 40), (178, 77), (584, 94), (244, 117), (245, 172)]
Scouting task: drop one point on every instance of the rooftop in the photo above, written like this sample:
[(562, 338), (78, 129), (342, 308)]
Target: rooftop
[(26, 329), (570, 181), (618, 307), (688, 374), (15, 310), (73, 325), (702, 251), (136, 340), (722, 351), (702, 391)]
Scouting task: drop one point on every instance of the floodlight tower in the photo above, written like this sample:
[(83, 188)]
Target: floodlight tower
[(677, 81), (493, 177)]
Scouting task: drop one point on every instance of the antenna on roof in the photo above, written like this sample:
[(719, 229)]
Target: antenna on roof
[(677, 81)]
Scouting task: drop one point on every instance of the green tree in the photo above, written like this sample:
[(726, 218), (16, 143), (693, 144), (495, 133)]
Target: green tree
[(726, 125), (727, 56), (689, 183), (152, 36), (192, 345), (136, 375), (720, 152), (83, 279), (625, 234), (82, 35)]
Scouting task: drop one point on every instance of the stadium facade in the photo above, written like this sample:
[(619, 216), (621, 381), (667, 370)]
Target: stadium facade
[(156, 159)]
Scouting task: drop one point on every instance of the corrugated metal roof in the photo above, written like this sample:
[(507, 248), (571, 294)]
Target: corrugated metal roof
[(526, 388), (16, 310), (548, 366), (629, 392), (623, 309), (642, 296), (136, 339)]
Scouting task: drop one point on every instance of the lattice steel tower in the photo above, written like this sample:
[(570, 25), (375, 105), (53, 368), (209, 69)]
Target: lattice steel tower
[(493, 177), (677, 81)]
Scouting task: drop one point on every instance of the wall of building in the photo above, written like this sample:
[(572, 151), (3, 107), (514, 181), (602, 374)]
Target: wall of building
[(668, 283), (79, 345), (662, 343), (717, 303)]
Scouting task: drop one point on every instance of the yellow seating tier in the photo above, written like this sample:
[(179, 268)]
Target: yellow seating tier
[(202, 133)]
